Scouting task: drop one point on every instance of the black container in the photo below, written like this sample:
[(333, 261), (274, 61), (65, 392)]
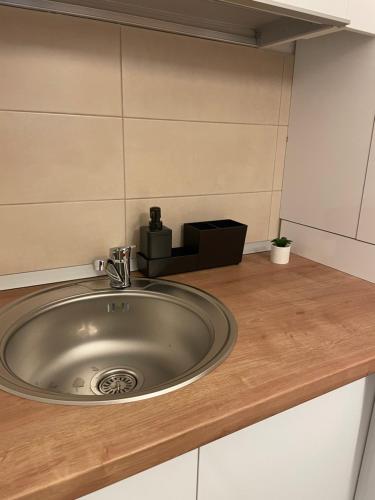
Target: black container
[(218, 242), (207, 244), (182, 260), (155, 239)]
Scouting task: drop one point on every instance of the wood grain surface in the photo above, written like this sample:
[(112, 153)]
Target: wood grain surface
[(304, 329)]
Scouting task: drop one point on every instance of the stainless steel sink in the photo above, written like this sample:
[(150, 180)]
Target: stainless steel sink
[(85, 343)]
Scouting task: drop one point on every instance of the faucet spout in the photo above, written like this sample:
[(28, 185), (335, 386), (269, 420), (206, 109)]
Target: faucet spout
[(117, 267)]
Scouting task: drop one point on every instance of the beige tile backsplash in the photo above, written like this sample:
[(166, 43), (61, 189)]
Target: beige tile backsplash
[(174, 77), (99, 122), (58, 63), (49, 235), (172, 158), (51, 157)]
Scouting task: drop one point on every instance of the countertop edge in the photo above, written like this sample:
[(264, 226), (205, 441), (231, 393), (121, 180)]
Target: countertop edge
[(123, 467)]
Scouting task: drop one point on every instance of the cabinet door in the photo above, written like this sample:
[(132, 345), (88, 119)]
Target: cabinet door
[(362, 15), (366, 228), (335, 8), (366, 481), (172, 480), (329, 133), (310, 452)]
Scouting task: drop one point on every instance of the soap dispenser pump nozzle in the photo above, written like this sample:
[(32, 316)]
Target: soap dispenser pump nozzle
[(155, 223)]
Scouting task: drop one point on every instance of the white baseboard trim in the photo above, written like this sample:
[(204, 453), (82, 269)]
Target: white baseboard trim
[(32, 278), (20, 280), (257, 246)]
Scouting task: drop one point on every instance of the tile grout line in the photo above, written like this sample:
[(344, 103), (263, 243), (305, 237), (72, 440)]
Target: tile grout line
[(281, 92), (273, 181), (148, 118), (184, 120), (58, 113), (284, 158), (56, 202), (287, 131), (291, 92), (277, 141), (201, 195), (123, 136)]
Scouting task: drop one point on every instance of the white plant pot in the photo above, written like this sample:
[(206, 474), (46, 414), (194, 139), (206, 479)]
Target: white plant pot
[(280, 255)]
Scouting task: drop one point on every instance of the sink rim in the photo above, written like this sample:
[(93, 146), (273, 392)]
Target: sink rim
[(32, 304)]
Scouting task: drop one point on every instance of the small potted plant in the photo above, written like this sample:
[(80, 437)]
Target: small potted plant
[(280, 250)]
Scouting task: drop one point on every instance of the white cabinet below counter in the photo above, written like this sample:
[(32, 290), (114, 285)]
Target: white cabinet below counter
[(310, 452), (175, 479), (366, 481)]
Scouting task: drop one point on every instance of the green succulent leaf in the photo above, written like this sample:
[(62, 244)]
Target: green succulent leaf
[(281, 242)]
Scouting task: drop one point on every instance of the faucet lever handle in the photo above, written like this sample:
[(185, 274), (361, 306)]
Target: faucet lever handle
[(120, 253)]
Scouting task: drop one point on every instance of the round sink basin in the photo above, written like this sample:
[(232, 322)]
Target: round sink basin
[(85, 343)]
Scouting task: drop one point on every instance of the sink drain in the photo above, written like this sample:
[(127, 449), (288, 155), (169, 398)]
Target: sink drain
[(114, 382), (117, 383)]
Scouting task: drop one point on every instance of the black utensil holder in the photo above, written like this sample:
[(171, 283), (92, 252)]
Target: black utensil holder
[(218, 242), (206, 244)]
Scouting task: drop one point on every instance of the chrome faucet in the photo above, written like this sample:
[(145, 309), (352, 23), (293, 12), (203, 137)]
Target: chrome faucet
[(117, 266)]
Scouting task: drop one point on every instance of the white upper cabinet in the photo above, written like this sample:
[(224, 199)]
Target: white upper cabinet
[(366, 228), (362, 16), (335, 8), (360, 13), (330, 130)]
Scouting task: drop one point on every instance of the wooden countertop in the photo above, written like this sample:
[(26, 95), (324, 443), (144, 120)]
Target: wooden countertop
[(304, 329)]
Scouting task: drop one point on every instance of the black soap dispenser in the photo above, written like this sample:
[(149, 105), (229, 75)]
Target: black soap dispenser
[(156, 239)]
